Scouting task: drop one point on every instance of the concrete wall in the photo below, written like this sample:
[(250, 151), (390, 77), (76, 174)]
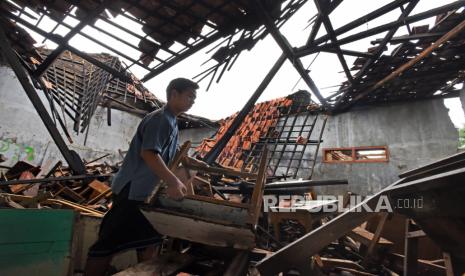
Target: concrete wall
[(195, 135), (23, 135), (415, 133)]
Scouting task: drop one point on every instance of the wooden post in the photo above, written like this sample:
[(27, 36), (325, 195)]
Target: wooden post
[(257, 195), (448, 264), (410, 252), (376, 237)]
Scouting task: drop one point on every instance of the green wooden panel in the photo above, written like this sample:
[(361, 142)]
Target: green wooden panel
[(35, 241)]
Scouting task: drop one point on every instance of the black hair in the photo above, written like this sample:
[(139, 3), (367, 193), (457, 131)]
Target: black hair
[(180, 84)]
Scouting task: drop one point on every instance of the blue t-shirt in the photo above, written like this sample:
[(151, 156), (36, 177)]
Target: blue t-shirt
[(158, 131)]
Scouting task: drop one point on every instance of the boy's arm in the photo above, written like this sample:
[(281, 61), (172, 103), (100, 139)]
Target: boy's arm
[(176, 189)]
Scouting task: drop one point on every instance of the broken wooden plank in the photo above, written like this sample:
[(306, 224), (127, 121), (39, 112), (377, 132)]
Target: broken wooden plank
[(96, 199), (375, 238), (200, 229), (329, 263), (448, 264), (217, 201), (365, 237), (203, 186), (62, 178), (69, 193), (17, 188), (53, 169), (98, 188), (74, 206), (208, 208), (28, 201), (222, 171), (301, 250), (425, 267)]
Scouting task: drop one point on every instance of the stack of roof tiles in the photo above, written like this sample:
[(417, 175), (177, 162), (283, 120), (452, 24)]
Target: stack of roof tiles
[(260, 122)]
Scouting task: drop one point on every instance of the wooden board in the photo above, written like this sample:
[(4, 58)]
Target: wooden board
[(99, 187), (222, 171), (217, 201), (201, 231), (75, 206), (365, 237), (425, 268), (205, 209), (333, 263)]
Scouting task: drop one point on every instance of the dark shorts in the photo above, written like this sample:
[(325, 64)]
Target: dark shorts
[(123, 227)]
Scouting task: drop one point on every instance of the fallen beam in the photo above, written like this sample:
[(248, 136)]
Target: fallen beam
[(71, 157), (299, 252), (50, 179), (437, 166), (211, 156)]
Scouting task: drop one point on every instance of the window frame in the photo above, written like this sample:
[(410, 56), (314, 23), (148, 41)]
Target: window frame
[(354, 150)]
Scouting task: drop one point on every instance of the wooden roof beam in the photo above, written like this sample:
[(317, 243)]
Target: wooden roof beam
[(425, 53), (323, 12), (287, 49), (379, 50)]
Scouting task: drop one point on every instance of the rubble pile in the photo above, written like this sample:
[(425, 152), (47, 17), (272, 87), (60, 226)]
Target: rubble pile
[(26, 186)]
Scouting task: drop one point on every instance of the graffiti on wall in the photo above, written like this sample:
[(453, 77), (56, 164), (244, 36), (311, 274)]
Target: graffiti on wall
[(15, 151)]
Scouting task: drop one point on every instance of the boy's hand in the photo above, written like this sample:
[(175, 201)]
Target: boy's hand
[(176, 189)]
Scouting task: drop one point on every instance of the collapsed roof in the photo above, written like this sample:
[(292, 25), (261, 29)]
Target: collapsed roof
[(155, 35), (420, 76), (169, 31), (78, 87)]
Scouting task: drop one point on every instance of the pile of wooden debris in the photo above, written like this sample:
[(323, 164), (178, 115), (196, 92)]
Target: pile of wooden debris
[(26, 186), (224, 227)]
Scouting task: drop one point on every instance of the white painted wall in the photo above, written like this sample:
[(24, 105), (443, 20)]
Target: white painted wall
[(23, 135)]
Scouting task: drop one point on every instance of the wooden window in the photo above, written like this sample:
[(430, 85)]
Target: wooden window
[(356, 154)]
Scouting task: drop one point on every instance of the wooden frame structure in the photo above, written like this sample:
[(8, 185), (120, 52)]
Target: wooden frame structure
[(353, 155), (209, 220)]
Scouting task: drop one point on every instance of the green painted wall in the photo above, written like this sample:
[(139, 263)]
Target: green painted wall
[(35, 241)]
